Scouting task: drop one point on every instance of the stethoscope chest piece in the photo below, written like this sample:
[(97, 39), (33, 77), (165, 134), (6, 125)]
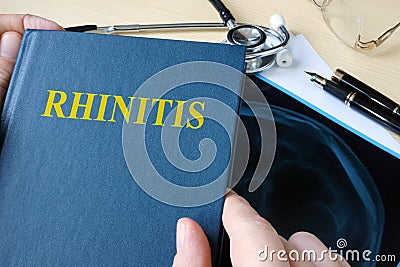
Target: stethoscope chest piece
[(263, 45), (254, 38), (249, 36)]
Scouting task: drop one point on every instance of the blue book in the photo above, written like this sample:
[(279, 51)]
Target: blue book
[(106, 141)]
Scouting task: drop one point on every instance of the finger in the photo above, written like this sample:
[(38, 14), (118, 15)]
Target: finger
[(11, 22), (9, 44), (295, 256), (6, 67), (11, 29), (191, 245), (250, 235), (19, 23), (324, 258), (35, 22), (344, 263)]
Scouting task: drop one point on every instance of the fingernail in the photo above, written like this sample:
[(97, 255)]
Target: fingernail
[(35, 22), (180, 234), (9, 44)]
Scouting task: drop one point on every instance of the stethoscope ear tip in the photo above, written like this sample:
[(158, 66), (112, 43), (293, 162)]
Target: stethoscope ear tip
[(284, 58), (277, 21)]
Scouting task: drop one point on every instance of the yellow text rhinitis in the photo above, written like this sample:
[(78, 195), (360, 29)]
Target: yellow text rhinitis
[(105, 108)]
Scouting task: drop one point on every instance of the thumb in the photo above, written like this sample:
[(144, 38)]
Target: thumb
[(36, 22), (11, 29), (251, 236), (192, 245), (9, 45)]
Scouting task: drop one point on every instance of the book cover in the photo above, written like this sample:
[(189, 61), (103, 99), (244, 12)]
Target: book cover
[(103, 139)]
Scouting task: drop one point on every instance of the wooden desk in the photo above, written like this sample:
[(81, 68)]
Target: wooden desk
[(379, 68)]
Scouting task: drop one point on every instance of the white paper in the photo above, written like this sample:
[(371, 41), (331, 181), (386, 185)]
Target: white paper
[(296, 83)]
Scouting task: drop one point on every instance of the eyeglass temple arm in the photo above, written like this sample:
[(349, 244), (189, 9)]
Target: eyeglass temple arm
[(316, 4), (375, 43)]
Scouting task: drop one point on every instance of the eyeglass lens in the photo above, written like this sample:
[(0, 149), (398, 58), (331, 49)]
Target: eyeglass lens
[(346, 23), (343, 21)]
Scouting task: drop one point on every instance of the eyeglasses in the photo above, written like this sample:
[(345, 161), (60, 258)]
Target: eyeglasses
[(347, 24)]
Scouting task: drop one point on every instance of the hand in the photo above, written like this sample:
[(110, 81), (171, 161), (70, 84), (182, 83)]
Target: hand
[(11, 29), (249, 234)]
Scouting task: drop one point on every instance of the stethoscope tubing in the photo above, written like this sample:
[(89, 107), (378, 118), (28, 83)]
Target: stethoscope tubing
[(261, 47), (141, 27), (273, 50), (115, 29)]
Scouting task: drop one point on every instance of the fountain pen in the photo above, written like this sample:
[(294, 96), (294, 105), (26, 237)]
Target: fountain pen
[(344, 79), (358, 101)]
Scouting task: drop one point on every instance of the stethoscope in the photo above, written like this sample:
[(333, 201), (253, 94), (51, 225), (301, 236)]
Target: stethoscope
[(264, 46)]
